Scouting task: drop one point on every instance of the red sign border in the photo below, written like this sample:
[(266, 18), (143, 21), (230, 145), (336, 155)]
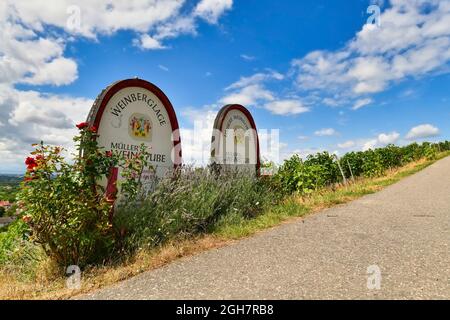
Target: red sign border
[(102, 100)]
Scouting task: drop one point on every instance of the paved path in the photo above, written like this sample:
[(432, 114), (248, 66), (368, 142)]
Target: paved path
[(404, 230)]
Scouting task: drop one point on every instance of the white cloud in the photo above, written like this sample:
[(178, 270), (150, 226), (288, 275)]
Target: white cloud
[(422, 131), (95, 16), (382, 140), (361, 103), (196, 141), (174, 27), (59, 71), (152, 20), (211, 10), (247, 57), (370, 144), (326, 132), (32, 117), (411, 42), (286, 107), (302, 153), (252, 91), (347, 144), (33, 40), (28, 58), (255, 79), (163, 68), (147, 42), (249, 96), (331, 102), (385, 139)]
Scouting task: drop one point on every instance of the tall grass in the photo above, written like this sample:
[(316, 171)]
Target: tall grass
[(18, 255), (192, 202)]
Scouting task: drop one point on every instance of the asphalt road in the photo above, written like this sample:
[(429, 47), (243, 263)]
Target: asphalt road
[(402, 230)]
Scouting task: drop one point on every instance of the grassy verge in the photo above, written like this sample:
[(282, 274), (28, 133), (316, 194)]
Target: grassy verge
[(295, 206), (50, 286)]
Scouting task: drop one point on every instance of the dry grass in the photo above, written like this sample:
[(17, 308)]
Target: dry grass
[(51, 286)]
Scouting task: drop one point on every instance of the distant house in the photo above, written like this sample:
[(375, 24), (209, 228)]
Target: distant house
[(5, 204)]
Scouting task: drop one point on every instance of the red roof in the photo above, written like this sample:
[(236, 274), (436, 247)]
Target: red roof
[(5, 204)]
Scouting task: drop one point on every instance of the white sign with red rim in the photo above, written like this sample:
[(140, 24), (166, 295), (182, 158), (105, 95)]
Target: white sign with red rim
[(235, 142), (133, 112)]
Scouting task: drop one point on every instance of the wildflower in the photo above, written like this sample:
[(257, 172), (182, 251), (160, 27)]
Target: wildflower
[(26, 219)]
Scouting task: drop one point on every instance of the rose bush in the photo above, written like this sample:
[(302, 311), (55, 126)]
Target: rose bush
[(64, 204)]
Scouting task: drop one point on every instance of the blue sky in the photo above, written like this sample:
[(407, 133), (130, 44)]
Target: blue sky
[(315, 70)]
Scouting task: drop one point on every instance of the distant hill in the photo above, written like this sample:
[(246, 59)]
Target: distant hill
[(9, 186), (10, 179)]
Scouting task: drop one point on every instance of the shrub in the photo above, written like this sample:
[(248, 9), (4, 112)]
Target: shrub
[(17, 253), (189, 203), (321, 169), (326, 168), (430, 151), (390, 156), (65, 206), (304, 177), (372, 164), (287, 177)]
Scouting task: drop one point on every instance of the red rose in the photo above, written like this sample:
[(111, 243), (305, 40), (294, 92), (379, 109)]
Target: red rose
[(108, 154), (93, 129), (30, 161), (82, 125)]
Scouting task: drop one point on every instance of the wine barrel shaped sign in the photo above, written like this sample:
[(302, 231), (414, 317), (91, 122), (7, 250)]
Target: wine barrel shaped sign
[(235, 142), (133, 112)]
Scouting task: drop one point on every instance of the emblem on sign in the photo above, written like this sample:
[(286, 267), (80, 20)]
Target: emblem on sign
[(140, 127), (239, 135)]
